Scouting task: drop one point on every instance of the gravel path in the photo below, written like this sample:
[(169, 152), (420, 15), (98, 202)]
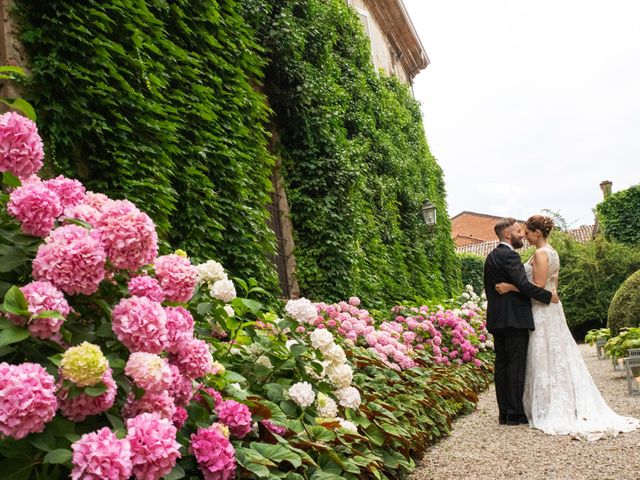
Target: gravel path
[(479, 448)]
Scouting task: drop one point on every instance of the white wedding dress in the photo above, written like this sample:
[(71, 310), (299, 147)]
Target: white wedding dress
[(560, 397)]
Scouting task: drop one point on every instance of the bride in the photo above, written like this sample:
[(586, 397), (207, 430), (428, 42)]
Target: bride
[(560, 397)]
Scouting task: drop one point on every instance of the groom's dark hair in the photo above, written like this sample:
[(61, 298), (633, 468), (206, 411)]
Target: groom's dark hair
[(502, 225)]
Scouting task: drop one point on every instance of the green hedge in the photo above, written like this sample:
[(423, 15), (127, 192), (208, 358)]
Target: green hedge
[(155, 101), (619, 216), (590, 274), (472, 271), (624, 310), (356, 162)]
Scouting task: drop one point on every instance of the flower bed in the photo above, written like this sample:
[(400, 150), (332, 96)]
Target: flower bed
[(119, 363)]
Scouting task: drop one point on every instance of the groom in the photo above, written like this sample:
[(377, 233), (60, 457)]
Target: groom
[(509, 318)]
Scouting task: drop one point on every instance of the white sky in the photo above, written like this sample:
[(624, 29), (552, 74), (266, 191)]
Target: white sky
[(531, 104)]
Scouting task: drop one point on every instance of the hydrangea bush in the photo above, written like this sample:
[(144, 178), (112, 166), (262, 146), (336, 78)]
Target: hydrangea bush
[(117, 361)]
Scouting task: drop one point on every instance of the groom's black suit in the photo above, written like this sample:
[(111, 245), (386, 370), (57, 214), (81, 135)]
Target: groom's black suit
[(509, 319)]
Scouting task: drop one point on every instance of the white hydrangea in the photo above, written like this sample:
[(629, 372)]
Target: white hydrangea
[(230, 311), (349, 397), (210, 271), (302, 310), (469, 288), (264, 361), (223, 290), (302, 394), (348, 426), (489, 343), (340, 375), (321, 338), (326, 406), (335, 354), (466, 296)]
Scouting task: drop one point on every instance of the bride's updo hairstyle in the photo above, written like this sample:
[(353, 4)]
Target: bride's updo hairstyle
[(539, 222)]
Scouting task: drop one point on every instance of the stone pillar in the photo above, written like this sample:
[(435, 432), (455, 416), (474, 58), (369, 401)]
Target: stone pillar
[(605, 186), (11, 51)]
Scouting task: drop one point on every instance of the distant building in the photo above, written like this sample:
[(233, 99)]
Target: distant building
[(471, 227), (396, 47)]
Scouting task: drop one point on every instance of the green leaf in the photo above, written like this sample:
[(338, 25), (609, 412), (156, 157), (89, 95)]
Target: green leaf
[(10, 180), (15, 469), (321, 433), (77, 221), (253, 305), (24, 107), (49, 314), (13, 69), (277, 453), (175, 474), (96, 390), (12, 335), (11, 261), (204, 308), (14, 302), (59, 455)]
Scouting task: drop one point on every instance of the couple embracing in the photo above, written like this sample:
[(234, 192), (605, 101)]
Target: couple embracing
[(540, 376)]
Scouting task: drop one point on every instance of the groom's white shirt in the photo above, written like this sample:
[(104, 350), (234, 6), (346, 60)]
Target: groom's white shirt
[(507, 244)]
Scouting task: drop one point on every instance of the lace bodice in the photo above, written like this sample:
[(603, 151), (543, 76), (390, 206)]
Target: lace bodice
[(554, 268)]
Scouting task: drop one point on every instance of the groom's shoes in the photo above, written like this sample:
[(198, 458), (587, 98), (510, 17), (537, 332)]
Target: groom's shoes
[(516, 420)]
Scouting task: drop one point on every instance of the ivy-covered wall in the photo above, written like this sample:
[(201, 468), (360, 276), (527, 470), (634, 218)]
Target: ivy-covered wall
[(168, 103), (155, 101), (356, 161), (619, 216)]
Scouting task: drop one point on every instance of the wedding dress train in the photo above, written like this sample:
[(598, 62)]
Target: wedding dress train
[(560, 397)]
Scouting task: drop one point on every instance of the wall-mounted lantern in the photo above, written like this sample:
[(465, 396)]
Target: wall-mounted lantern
[(429, 213)]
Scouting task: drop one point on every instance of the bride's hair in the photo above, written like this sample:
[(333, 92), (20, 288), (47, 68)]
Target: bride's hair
[(539, 222)]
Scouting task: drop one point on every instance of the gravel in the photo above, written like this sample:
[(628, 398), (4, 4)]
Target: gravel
[(479, 448)]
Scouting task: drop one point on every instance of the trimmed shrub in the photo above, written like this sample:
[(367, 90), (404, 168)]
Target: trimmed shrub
[(624, 310), (472, 271)]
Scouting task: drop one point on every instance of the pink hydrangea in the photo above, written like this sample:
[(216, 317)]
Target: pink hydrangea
[(214, 453), (154, 449), (354, 301), (42, 296), (27, 399), (272, 427), (236, 416), (179, 327), (21, 150), (149, 371), (177, 277), (193, 358), (83, 212), (180, 417), (101, 455), (146, 286), (96, 200), (128, 235), (181, 388), (140, 324), (36, 208), (211, 392), (72, 259), (70, 191), (160, 403), (83, 405)]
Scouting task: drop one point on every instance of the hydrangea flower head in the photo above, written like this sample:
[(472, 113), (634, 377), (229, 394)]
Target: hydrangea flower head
[(146, 286), (84, 365), (210, 272), (193, 358), (179, 327), (72, 259), (21, 149), (302, 310), (149, 371), (214, 453), (128, 235), (154, 449), (28, 399), (36, 208), (42, 296), (326, 406), (302, 394), (83, 405), (101, 455), (223, 290), (236, 416), (177, 277), (140, 324), (71, 192)]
